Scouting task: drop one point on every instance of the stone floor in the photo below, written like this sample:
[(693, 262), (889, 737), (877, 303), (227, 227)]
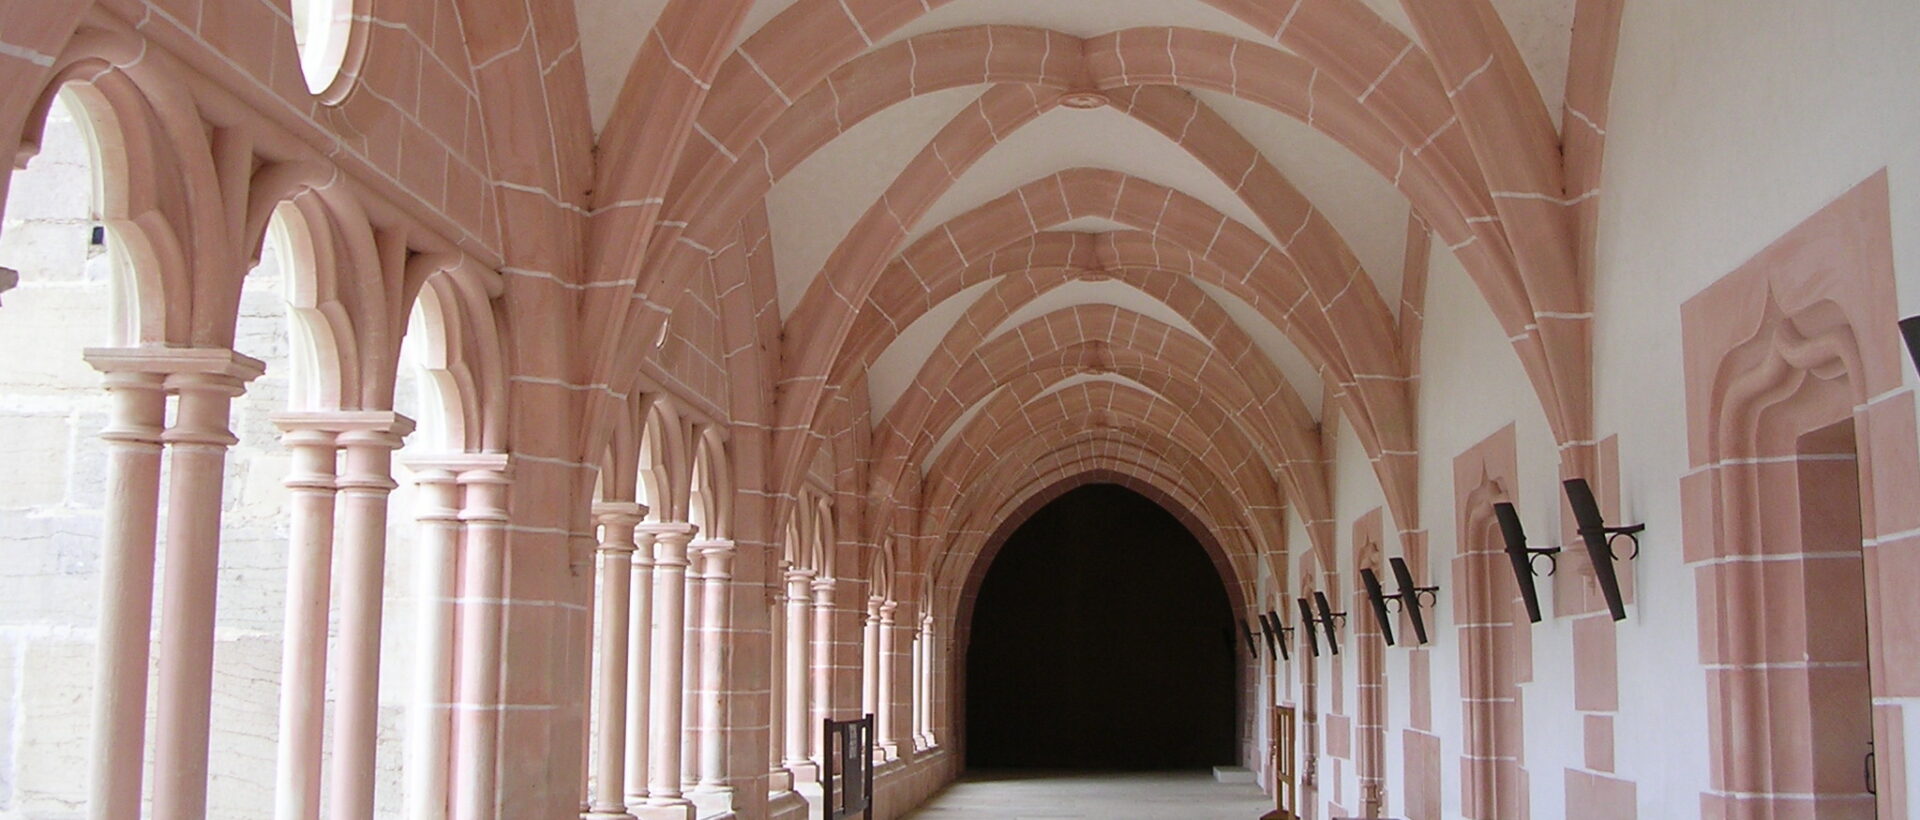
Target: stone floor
[(1094, 796)]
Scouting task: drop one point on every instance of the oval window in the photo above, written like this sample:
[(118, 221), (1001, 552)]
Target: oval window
[(320, 30)]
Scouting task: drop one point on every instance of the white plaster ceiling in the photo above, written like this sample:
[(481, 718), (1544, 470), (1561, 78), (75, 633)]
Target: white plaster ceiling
[(611, 33), (893, 370), (1362, 205), (1088, 224), (1272, 341), (1543, 31), (1066, 138), (1102, 292), (813, 207), (1080, 18)]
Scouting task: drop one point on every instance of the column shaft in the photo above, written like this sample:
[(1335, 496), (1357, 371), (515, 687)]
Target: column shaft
[(303, 651), (476, 760), (717, 578), (822, 662), (366, 481), (778, 778), (139, 408), (639, 669), (798, 706), (610, 689), (429, 728), (870, 659), (883, 716), (197, 458), (670, 571)]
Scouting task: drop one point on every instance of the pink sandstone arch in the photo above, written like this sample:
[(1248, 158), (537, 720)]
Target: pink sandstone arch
[(1279, 412)]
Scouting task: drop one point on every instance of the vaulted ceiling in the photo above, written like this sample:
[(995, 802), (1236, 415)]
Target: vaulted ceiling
[(986, 208)]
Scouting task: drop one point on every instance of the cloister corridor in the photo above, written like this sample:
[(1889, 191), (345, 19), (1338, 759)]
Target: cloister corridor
[(720, 409)]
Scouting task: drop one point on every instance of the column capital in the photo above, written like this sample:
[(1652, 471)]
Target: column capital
[(619, 513), (708, 546), (824, 585), (800, 574), (458, 464), (886, 612), (383, 425), (672, 531), (168, 361)]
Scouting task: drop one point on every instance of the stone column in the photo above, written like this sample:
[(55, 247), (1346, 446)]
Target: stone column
[(639, 667), (477, 755), (930, 674), (870, 659), (197, 460), (617, 521), (883, 730), (134, 422), (367, 442), (664, 798), (715, 599), (694, 636), (303, 651), (429, 728), (778, 778), (822, 662), (798, 707)]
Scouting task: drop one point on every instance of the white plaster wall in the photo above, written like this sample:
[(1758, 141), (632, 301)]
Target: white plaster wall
[(1732, 122)]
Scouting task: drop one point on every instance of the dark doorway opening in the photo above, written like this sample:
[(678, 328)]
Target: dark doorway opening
[(1100, 639)]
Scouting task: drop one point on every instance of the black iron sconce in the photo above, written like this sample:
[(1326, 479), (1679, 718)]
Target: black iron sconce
[(1594, 533), (1599, 539), (1325, 619), (1521, 556), (1276, 635), (1408, 599), (1910, 328), (1306, 623), (1252, 648)]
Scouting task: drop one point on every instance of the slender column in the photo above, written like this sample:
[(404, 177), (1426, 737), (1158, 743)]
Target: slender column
[(694, 637), (617, 521), (475, 766), (870, 659), (798, 711), (913, 690), (639, 667), (303, 651), (822, 661), (197, 451), (931, 671), (883, 717), (139, 408), (717, 580), (669, 612), (366, 480), (429, 730), (778, 778)]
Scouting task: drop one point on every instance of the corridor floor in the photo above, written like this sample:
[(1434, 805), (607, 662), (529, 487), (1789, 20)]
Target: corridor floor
[(1094, 796)]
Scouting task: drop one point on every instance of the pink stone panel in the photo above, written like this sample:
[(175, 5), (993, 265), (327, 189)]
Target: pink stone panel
[(1598, 797)]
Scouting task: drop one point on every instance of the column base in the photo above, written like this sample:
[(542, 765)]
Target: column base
[(673, 811), (779, 780), (804, 771), (606, 815), (712, 801)]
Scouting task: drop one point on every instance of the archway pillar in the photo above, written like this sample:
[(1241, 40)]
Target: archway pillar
[(716, 558), (367, 441), (134, 424), (665, 800), (797, 710), (615, 559)]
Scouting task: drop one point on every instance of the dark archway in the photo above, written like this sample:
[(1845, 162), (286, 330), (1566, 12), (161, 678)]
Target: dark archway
[(1098, 642)]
